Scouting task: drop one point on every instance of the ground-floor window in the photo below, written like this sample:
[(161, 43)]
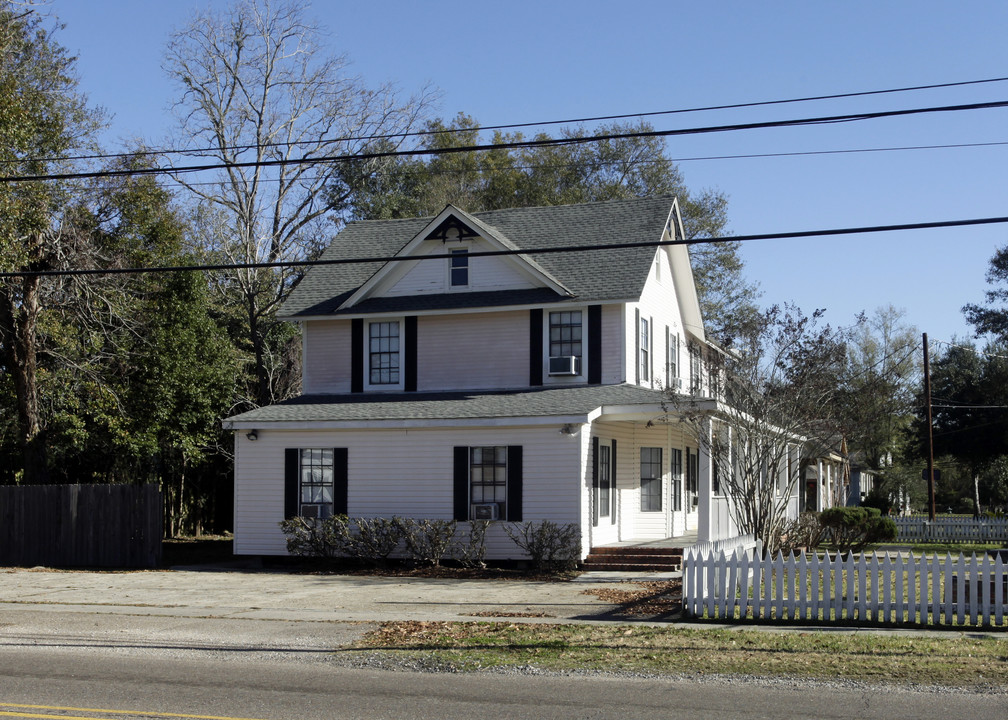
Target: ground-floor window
[(651, 479), (316, 494), (605, 479), (675, 468), (692, 478), (488, 477)]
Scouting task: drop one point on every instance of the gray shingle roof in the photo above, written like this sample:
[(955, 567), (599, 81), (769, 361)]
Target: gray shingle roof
[(593, 276), (539, 402)]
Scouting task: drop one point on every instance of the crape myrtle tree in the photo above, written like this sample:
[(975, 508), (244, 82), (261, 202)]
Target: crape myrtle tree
[(555, 174), (256, 86), (779, 383)]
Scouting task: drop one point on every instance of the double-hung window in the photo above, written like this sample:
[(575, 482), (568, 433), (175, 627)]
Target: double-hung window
[(383, 353), (458, 270), (692, 478), (605, 479), (488, 473), (645, 346), (316, 492), (675, 461), (673, 360), (650, 479), (565, 341)]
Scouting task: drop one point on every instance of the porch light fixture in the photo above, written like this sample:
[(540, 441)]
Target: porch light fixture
[(567, 429), (252, 435)]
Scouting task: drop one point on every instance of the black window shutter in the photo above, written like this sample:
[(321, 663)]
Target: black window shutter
[(292, 482), (535, 346), (357, 355), (612, 489), (636, 334), (410, 354), (514, 483), (461, 486), (594, 344), (341, 480), (595, 481)]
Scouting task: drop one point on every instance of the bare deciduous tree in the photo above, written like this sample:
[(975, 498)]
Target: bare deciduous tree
[(778, 382), (262, 97)]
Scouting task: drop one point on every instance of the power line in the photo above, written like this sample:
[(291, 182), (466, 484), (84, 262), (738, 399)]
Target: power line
[(543, 123), (499, 253), (551, 142)]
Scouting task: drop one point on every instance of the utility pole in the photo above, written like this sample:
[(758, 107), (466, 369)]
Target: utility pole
[(930, 458)]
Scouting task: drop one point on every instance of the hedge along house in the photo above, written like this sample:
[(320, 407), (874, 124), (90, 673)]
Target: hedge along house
[(507, 386)]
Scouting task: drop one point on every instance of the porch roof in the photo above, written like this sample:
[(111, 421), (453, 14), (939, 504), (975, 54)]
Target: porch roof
[(571, 403)]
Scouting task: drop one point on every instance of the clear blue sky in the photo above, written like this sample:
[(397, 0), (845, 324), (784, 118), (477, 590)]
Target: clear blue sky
[(533, 61)]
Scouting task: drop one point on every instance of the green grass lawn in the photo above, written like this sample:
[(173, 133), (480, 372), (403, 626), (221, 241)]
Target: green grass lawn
[(954, 660)]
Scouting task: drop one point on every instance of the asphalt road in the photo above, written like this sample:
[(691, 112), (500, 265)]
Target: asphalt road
[(47, 682)]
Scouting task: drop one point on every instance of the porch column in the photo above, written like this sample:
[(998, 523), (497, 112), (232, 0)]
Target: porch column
[(705, 526), (820, 486)]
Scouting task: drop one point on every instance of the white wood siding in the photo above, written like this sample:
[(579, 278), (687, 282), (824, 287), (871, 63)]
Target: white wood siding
[(327, 356), (477, 351), (614, 369), (660, 306), (403, 472), (431, 276)]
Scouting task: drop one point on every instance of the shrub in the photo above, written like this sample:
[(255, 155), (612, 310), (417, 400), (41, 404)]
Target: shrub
[(427, 541), (471, 552), (310, 537), (550, 547), (851, 528), (375, 539), (805, 532)]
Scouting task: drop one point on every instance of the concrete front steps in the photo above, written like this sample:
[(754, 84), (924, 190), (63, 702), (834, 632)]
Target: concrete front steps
[(634, 559)]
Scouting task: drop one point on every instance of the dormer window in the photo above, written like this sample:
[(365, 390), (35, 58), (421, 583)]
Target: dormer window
[(458, 270)]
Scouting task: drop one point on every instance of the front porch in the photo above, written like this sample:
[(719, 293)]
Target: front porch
[(660, 555)]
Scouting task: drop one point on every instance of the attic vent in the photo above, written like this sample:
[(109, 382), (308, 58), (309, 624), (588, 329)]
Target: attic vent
[(451, 228)]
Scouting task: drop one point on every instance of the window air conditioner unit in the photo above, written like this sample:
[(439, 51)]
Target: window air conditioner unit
[(486, 511), (565, 365), (675, 384)]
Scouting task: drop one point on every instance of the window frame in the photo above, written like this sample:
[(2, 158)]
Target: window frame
[(651, 485), (496, 468), (676, 474), (459, 253), (316, 466), (369, 354), (645, 357), (582, 362)]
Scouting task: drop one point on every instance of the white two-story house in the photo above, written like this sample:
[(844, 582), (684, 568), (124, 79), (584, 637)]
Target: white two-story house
[(486, 383)]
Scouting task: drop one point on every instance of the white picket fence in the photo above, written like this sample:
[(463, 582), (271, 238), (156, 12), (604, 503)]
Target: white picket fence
[(952, 529), (926, 590)]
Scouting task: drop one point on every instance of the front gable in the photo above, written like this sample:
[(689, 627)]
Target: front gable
[(453, 242)]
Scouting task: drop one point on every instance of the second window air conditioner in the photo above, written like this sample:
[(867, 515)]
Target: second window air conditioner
[(486, 511)]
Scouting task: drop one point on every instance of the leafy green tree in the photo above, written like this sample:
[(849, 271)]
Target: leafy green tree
[(991, 318), (969, 390), (538, 175), (44, 122)]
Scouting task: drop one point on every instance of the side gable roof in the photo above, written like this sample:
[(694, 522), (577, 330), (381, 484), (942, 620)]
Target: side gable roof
[(591, 276)]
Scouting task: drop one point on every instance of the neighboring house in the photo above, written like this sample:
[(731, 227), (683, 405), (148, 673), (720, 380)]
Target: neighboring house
[(509, 386)]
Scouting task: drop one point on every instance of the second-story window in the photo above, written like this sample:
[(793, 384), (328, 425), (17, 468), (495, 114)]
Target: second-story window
[(673, 359), (645, 360), (565, 336), (696, 369), (459, 269), (383, 353)]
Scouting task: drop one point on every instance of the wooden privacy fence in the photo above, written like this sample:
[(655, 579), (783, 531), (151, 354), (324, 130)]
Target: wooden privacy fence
[(952, 529), (80, 525), (924, 590)]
